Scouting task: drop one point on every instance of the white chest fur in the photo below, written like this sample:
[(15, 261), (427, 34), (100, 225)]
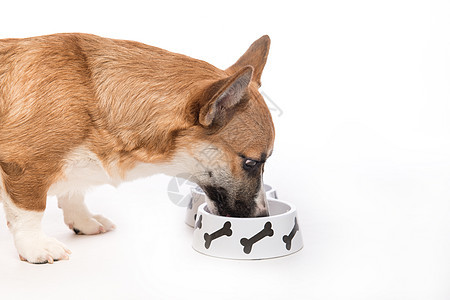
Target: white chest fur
[(83, 169)]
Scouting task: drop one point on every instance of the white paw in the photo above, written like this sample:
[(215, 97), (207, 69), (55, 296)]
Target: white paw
[(90, 225), (107, 224), (37, 248)]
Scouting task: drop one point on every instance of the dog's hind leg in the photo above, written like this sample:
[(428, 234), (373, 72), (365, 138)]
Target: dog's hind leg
[(78, 218)]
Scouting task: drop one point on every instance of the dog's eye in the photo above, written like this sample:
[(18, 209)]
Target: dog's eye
[(250, 164)]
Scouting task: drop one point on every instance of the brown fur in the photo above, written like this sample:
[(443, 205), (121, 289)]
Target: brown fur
[(126, 101)]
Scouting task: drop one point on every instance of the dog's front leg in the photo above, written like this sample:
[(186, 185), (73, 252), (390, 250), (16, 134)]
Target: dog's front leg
[(31, 242), (78, 218)]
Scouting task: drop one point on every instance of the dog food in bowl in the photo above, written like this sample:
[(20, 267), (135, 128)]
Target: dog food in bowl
[(249, 238)]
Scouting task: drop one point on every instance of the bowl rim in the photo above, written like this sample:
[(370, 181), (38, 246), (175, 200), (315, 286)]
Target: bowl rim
[(292, 209)]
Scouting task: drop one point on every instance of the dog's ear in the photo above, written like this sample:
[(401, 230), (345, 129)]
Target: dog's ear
[(221, 97), (256, 56)]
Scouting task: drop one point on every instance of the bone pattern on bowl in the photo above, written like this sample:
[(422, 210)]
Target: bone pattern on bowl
[(224, 231), (288, 238), (248, 243), (198, 224)]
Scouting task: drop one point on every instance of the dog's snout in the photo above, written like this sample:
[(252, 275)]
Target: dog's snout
[(238, 205)]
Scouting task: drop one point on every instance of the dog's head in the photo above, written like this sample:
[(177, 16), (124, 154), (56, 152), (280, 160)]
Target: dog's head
[(233, 136)]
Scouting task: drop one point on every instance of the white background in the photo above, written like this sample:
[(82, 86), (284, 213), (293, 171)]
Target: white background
[(362, 149)]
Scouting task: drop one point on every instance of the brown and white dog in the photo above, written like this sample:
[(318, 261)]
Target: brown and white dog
[(78, 110)]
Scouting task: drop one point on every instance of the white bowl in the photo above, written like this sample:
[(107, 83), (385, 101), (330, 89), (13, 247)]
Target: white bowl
[(198, 197), (249, 238)]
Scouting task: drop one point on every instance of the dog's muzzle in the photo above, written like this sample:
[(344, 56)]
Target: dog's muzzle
[(220, 203)]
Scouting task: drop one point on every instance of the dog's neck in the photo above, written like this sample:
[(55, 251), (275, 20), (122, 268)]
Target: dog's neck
[(128, 116)]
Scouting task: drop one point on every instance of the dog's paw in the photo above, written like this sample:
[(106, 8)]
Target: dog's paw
[(107, 224), (91, 225), (41, 249)]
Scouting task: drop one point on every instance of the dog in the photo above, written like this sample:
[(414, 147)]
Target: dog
[(78, 110)]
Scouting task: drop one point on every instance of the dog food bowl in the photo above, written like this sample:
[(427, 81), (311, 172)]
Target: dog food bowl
[(249, 238), (198, 197)]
